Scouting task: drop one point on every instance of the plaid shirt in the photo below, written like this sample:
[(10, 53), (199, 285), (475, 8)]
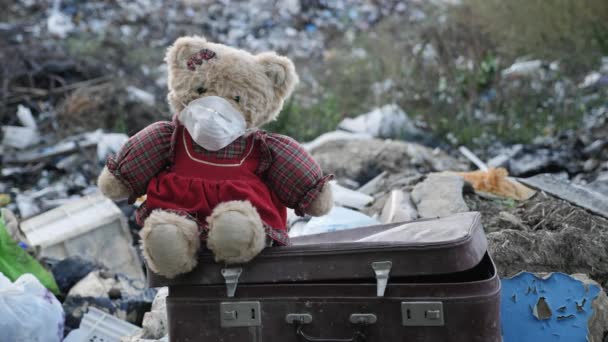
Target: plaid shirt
[(288, 170)]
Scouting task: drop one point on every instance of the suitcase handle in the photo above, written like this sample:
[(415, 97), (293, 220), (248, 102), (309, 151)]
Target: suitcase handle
[(357, 337), (361, 320)]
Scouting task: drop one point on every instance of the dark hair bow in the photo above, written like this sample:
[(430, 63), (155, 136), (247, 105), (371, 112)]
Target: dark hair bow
[(199, 57)]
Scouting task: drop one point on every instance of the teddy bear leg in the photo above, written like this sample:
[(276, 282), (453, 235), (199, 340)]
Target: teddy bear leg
[(170, 243), (236, 232)]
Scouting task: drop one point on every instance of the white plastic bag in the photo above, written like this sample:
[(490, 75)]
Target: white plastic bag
[(337, 219), (28, 311)]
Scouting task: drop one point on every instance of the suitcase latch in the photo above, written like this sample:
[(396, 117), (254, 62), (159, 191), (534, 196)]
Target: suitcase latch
[(240, 314), (382, 269), (231, 277), (419, 314)]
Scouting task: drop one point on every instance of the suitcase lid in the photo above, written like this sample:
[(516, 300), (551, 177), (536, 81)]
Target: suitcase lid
[(426, 247)]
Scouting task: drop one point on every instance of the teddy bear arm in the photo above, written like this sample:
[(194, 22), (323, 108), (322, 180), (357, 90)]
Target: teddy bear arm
[(142, 157), (322, 203), (296, 178)]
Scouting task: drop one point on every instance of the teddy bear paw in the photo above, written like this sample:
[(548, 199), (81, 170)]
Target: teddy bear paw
[(170, 243), (236, 232), (110, 186)]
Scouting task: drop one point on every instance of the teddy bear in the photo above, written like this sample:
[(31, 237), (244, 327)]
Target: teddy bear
[(211, 176)]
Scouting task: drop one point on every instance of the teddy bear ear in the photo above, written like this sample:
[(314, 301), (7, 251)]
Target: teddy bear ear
[(281, 72), (182, 49)]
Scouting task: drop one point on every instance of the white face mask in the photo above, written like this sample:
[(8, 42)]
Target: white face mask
[(213, 122)]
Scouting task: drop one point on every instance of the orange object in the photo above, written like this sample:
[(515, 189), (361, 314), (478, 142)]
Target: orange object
[(496, 182)]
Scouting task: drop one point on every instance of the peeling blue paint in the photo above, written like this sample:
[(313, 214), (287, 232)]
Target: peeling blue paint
[(569, 301)]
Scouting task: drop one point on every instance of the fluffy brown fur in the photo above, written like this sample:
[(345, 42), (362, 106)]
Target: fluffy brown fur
[(170, 243), (262, 82), (236, 232), (323, 203), (111, 187)]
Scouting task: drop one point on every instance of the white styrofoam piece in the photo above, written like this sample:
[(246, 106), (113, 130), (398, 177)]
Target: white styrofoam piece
[(70, 220), (98, 326), (92, 227), (349, 198)]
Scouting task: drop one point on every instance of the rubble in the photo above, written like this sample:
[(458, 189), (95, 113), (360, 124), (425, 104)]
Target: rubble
[(580, 196), (77, 227), (362, 160), (388, 121), (116, 294), (71, 270), (154, 325), (398, 208)]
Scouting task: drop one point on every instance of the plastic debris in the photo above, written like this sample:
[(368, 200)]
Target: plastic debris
[(97, 325), (26, 118), (337, 219), (522, 69), (140, 95), (76, 228), (110, 143), (333, 136), (29, 311), (20, 137), (15, 261), (349, 198), (58, 23), (388, 121)]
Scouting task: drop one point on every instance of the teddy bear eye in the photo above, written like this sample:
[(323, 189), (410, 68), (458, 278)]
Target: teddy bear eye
[(201, 90), (237, 98)]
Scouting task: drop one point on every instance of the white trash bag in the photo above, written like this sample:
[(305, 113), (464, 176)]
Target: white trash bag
[(28, 311)]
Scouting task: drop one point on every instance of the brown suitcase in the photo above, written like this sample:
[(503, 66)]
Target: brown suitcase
[(429, 280)]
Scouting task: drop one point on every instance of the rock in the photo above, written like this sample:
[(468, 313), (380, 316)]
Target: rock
[(154, 325), (532, 161), (398, 208), (553, 306), (590, 165), (362, 160), (439, 195), (573, 193), (71, 270), (388, 121)]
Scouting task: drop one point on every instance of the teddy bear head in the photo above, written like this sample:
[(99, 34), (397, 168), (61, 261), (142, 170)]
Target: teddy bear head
[(256, 85)]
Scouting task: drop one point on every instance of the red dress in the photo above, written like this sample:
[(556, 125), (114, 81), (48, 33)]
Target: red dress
[(196, 183)]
